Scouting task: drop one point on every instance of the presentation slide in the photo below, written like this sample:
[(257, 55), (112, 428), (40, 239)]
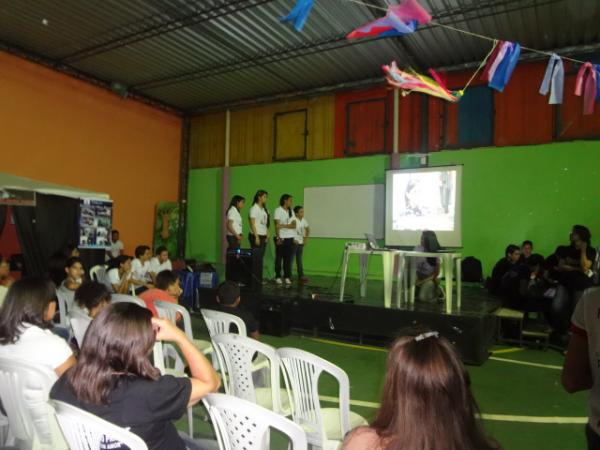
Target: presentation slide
[(423, 199)]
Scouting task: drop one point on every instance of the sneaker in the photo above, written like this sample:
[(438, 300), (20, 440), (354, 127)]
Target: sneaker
[(288, 282), (278, 281)]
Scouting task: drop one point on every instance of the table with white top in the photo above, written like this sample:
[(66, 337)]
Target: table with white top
[(396, 266)]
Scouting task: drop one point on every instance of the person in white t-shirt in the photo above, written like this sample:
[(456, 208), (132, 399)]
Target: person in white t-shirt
[(119, 274), (116, 246), (160, 262), (5, 279), (140, 269), (581, 370), (285, 232), (301, 239), (234, 221), (26, 323), (259, 225)]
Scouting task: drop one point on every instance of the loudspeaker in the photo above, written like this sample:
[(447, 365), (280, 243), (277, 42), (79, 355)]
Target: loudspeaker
[(244, 266)]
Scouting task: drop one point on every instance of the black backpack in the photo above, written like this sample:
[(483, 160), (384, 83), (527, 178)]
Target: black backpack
[(472, 270)]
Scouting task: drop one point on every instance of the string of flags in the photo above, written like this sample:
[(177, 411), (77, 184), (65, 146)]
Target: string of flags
[(405, 17)]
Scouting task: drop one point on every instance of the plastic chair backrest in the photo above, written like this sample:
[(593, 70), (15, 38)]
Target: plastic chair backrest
[(240, 424), (169, 311), (219, 322), (124, 298), (85, 431), (24, 390), (98, 273), (301, 371), (64, 305), (235, 353), (80, 322)]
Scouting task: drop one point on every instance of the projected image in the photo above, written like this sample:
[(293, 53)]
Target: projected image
[(424, 200)]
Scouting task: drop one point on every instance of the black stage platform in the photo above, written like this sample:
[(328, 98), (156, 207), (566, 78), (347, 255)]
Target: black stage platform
[(315, 307)]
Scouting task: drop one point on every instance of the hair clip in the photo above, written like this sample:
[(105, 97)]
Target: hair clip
[(429, 334)]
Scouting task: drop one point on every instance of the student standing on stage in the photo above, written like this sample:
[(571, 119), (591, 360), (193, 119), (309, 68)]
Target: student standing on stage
[(259, 224), (234, 221), (301, 239), (285, 232)]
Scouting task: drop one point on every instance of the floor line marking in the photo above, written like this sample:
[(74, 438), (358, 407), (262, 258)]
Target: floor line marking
[(507, 350), (495, 417), (526, 363)]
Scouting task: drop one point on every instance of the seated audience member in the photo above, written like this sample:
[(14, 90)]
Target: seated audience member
[(116, 246), (140, 269), (91, 298), (57, 263), (160, 262), (526, 251), (581, 371), (571, 265), (424, 376), (428, 269), (115, 380), (167, 290), (5, 279), (25, 324), (506, 272), (228, 297), (75, 273), (119, 274)]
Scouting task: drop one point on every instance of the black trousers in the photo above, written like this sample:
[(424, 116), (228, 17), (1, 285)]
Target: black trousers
[(284, 253), (232, 242), (593, 440), (299, 250), (259, 249)]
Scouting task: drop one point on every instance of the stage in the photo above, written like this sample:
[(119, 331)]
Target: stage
[(315, 308)]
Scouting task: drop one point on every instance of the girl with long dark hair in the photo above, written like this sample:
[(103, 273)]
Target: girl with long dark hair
[(234, 221), (259, 224), (426, 401), (26, 322), (285, 231), (115, 380)]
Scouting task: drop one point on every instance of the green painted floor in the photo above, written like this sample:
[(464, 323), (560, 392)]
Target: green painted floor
[(520, 394)]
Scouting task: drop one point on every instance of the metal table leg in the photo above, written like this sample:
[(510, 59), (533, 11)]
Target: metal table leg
[(344, 273)]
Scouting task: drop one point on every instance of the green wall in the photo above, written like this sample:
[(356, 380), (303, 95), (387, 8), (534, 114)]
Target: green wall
[(509, 194)]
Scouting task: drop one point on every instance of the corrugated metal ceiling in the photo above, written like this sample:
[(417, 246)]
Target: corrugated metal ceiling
[(195, 54)]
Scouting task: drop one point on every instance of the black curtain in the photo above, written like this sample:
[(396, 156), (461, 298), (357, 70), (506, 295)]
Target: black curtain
[(32, 253), (3, 214)]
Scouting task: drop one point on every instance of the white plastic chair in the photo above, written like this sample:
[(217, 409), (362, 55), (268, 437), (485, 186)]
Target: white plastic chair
[(219, 322), (65, 303), (85, 431), (124, 298), (169, 311), (242, 425), (80, 322), (98, 273), (24, 390), (325, 427), (235, 353)]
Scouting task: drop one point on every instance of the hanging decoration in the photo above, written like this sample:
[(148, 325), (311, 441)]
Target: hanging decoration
[(554, 80), (586, 85), (400, 19), (299, 13), (409, 81), (501, 64)]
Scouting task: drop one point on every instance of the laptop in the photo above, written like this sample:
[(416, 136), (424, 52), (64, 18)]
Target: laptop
[(372, 241)]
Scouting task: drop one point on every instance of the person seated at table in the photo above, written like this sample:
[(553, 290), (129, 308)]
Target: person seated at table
[(428, 269), (167, 290), (228, 297)]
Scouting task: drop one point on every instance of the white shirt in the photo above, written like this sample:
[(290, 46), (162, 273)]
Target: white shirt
[(3, 291), (301, 226), (140, 271), (115, 248), (260, 217), (113, 276), (38, 346), (234, 215), (284, 218), (156, 266), (586, 323)]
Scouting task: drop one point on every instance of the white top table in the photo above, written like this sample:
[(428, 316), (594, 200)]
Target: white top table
[(394, 266)]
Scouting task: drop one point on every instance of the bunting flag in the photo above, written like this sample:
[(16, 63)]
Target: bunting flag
[(409, 81), (400, 19), (554, 80), (299, 13), (501, 64), (586, 85)]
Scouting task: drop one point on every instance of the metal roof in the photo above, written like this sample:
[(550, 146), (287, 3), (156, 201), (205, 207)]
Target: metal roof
[(191, 55)]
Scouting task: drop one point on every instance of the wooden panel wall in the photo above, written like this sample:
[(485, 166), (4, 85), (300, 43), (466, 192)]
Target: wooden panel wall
[(252, 133)]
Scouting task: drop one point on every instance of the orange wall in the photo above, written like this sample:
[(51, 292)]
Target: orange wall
[(59, 129)]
